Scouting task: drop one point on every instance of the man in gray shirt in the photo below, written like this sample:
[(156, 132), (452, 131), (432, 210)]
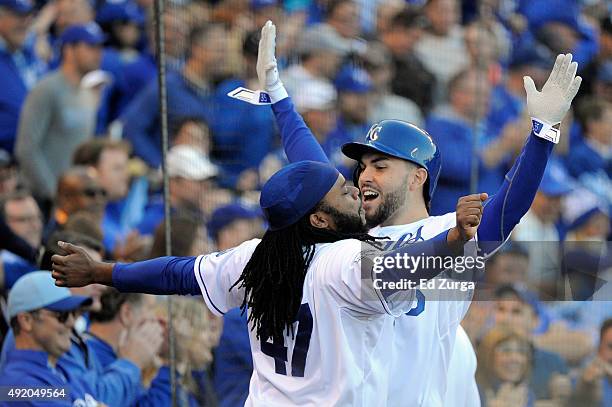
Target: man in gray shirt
[(59, 113)]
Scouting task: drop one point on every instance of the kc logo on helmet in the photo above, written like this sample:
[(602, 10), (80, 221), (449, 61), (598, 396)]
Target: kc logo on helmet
[(373, 133)]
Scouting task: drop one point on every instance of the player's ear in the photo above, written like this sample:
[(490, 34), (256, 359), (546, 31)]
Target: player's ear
[(320, 220), (419, 178)]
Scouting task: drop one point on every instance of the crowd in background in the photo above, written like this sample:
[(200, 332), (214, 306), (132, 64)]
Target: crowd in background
[(80, 161)]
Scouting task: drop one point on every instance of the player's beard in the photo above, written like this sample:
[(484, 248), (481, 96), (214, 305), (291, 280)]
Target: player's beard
[(346, 223), (390, 203)]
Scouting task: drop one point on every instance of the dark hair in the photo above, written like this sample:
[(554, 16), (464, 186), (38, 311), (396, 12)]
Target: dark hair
[(408, 18), (112, 300), (607, 324), (273, 279), (178, 123), (89, 152), (250, 44), (69, 236), (183, 232)]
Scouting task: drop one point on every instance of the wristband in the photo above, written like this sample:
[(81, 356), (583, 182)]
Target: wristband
[(259, 97), (545, 130)]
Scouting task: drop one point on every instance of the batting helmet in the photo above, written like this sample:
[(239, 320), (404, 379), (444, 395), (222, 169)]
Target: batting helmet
[(402, 140)]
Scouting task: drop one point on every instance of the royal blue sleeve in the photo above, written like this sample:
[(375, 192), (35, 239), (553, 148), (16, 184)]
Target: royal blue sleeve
[(140, 119), (504, 210), (298, 141), (163, 275)]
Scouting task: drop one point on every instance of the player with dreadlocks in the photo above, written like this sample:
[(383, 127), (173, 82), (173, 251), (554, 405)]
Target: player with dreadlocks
[(321, 309)]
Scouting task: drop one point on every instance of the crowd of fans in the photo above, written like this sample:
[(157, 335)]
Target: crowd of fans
[(80, 161)]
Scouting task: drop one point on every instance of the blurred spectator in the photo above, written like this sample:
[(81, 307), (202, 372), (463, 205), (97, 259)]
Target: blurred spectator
[(590, 159), (508, 265), (342, 16), (231, 225), (538, 228), (485, 47), (518, 309), (78, 189), (126, 329), (198, 331), (317, 105), (131, 69), (411, 79), (589, 72), (354, 91), (504, 363), (191, 177), (603, 81), (194, 132), (384, 104), (42, 316), (125, 207), (20, 68), (23, 216), (594, 387), (191, 92), (187, 237), (58, 114), (442, 49), (586, 254), (459, 132), (320, 54), (9, 180)]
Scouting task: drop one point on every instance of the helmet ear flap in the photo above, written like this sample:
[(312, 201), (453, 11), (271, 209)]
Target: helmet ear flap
[(356, 174)]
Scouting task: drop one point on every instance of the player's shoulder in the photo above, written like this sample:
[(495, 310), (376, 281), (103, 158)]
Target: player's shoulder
[(340, 250), (245, 249)]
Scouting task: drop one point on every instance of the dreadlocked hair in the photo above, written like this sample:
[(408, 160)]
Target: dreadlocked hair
[(273, 279)]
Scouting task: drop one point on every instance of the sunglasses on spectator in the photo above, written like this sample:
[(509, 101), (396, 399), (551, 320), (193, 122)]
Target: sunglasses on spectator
[(93, 192), (61, 316)]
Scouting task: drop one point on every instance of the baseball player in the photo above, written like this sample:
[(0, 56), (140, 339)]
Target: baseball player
[(398, 166), (320, 333)]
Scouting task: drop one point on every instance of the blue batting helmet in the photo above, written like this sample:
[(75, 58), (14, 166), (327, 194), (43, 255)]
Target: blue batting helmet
[(402, 140)]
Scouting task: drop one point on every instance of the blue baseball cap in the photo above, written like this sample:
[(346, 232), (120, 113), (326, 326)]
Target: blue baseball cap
[(121, 11), (226, 214), (353, 79), (38, 290), (259, 4), (579, 206), (89, 33), (18, 6), (556, 181), (294, 191)]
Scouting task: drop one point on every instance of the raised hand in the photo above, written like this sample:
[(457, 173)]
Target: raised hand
[(267, 70), (554, 100)]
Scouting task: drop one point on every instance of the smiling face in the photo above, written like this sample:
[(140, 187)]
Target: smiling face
[(388, 185), (511, 360)]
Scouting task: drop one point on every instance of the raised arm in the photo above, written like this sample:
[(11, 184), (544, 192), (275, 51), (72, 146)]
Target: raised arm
[(298, 141), (546, 108)]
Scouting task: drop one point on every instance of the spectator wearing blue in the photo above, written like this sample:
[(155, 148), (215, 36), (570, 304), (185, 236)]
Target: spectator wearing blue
[(540, 226), (594, 385), (459, 130), (520, 310), (20, 68), (264, 10), (354, 88), (23, 217), (590, 160), (240, 142), (560, 25), (230, 225), (58, 113), (603, 84), (191, 177), (42, 317), (131, 68)]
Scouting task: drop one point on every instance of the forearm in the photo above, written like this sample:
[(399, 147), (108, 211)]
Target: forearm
[(163, 275), (298, 141), (513, 199)]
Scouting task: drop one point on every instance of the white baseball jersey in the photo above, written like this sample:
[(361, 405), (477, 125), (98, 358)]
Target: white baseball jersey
[(425, 337), (343, 344)]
